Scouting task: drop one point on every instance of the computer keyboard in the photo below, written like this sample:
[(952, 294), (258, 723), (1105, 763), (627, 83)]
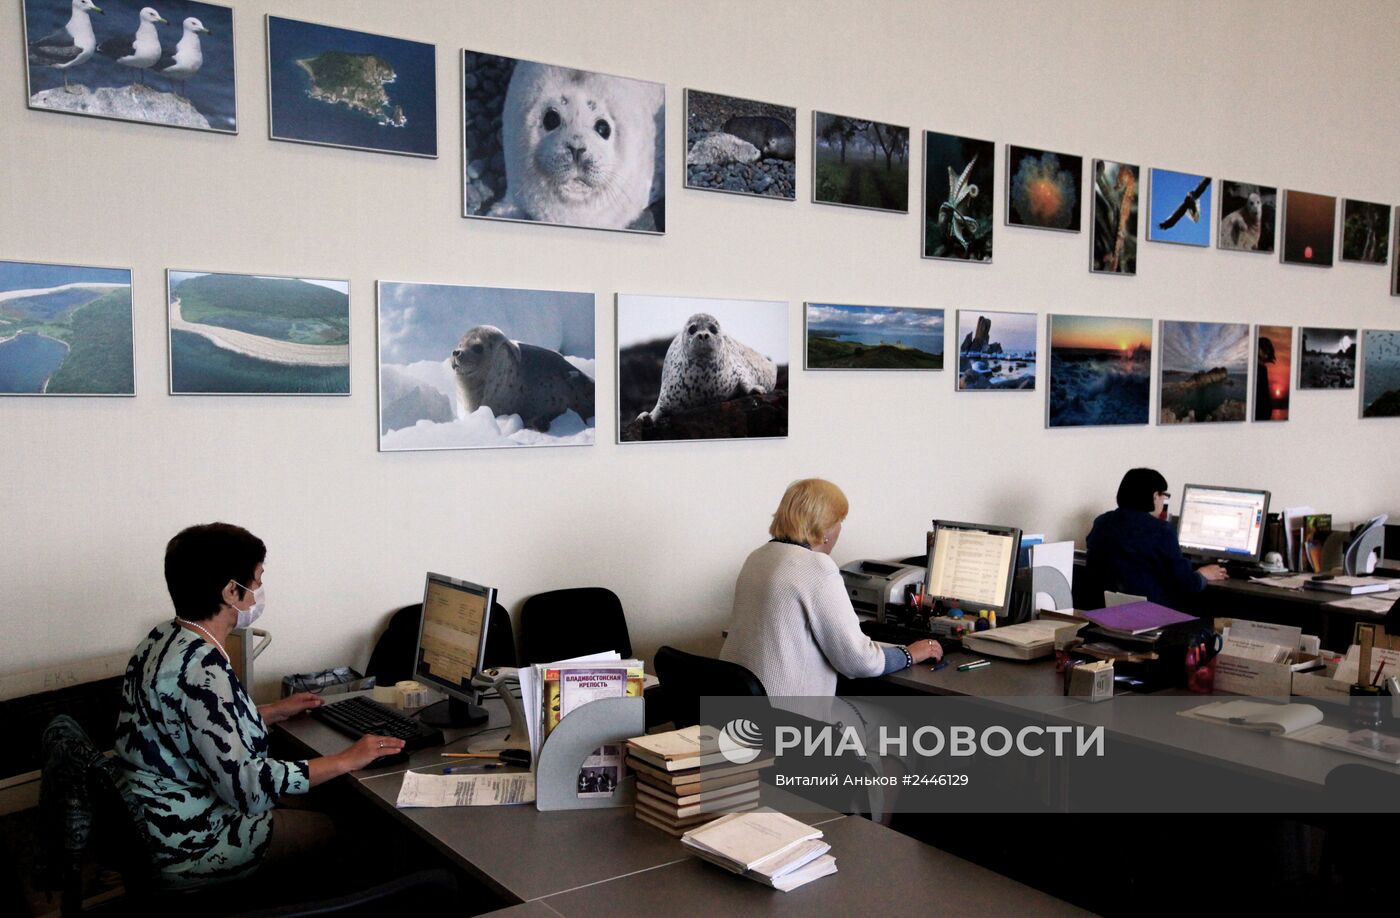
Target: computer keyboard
[(358, 716), (893, 633)]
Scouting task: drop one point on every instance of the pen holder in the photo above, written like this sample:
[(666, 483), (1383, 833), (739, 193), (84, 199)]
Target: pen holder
[(1365, 703), (1200, 678)]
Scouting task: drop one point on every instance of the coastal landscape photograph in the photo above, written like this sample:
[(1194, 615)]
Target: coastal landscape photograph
[(1099, 371), (996, 350), (171, 65), (1204, 372), (847, 337), (858, 162), (464, 367), (1328, 358), (1380, 374), (65, 330), (245, 334), (1273, 371), (343, 88)]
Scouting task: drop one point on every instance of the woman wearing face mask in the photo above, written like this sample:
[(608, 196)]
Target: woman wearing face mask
[(1133, 549), (193, 747)]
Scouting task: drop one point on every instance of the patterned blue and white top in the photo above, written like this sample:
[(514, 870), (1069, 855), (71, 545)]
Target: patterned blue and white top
[(193, 751)]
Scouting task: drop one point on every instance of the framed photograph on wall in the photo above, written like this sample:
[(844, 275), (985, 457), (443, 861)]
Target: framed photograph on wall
[(1380, 374), (1100, 371), (740, 146), (1043, 189), (959, 188), (342, 88), (847, 337), (1273, 371), (1204, 372), (701, 369), (1365, 232), (1179, 208), (473, 367), (1328, 358), (174, 67), (1309, 228), (65, 330), (996, 351), (858, 162), (1115, 236), (253, 334), (544, 143), (1248, 217)]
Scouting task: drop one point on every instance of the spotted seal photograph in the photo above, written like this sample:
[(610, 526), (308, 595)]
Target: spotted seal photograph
[(473, 367), (701, 369), (551, 144), (740, 146)]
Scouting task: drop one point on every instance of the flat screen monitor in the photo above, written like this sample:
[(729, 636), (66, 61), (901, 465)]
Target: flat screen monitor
[(971, 566), (1222, 524), (452, 645)]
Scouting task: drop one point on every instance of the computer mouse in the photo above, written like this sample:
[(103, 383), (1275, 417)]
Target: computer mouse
[(396, 758)]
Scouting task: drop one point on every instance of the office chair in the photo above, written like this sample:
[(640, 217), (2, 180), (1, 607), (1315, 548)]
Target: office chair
[(425, 893), (685, 677), (568, 623), (392, 659)]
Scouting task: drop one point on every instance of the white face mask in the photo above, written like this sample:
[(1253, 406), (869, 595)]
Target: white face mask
[(247, 616)]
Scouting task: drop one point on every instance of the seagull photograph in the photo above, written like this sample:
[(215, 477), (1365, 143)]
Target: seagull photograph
[(164, 62)]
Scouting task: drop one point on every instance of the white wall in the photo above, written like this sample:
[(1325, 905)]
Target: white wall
[(1299, 95)]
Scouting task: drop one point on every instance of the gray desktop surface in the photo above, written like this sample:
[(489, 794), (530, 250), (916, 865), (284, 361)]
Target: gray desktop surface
[(878, 872), (1030, 684)]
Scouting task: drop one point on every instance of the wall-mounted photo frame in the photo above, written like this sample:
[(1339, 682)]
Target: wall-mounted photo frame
[(959, 197), (1380, 374), (860, 162), (740, 146), (1248, 217), (257, 334), (173, 68), (339, 87), (544, 143), (1365, 232), (1117, 195), (1100, 371), (1203, 373), (1273, 371), (1179, 207), (692, 368), (1327, 358), (65, 330), (1309, 229), (842, 336), (1044, 190), (463, 367), (996, 351)]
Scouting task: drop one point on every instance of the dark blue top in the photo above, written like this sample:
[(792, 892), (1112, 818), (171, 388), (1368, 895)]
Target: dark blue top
[(1132, 551)]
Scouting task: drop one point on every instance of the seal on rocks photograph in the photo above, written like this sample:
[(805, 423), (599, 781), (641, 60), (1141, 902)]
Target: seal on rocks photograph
[(704, 365)]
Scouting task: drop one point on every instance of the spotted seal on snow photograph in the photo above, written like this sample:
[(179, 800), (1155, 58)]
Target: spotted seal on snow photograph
[(704, 365), (510, 377)]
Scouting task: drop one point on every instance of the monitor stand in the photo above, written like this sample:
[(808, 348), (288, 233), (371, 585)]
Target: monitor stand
[(453, 713)]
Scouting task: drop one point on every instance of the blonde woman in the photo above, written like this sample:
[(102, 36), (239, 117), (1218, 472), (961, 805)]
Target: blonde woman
[(793, 625)]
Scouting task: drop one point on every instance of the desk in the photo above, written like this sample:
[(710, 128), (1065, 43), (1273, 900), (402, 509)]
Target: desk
[(589, 862), (1307, 609)]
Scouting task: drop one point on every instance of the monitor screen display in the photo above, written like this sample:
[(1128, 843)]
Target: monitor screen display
[(1222, 523), (452, 637), (971, 565)]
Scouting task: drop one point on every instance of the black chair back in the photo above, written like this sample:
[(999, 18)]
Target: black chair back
[(686, 677), (392, 659), (570, 623), (425, 893)]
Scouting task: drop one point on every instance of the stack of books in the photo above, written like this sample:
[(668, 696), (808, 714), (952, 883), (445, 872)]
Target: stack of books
[(771, 848), (683, 781)]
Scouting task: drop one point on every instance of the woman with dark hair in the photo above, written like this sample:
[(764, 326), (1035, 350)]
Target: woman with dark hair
[(193, 748), (1134, 549)]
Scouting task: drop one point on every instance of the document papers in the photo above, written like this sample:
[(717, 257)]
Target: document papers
[(772, 848), (1258, 715), (488, 789)]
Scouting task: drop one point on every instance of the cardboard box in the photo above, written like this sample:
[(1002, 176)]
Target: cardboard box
[(1259, 678), (1319, 683)]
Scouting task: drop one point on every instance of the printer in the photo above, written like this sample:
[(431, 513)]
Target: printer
[(872, 585)]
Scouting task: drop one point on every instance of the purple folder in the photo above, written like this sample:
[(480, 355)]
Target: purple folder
[(1137, 617)]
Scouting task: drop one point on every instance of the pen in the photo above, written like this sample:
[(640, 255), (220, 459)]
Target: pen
[(1380, 669), (976, 664)]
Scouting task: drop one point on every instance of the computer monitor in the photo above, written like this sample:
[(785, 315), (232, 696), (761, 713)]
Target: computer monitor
[(1222, 524), (971, 566), (452, 646)]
